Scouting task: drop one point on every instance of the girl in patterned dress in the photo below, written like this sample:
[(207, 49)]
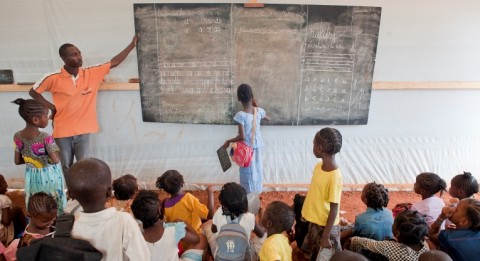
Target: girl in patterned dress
[(251, 177), (38, 151)]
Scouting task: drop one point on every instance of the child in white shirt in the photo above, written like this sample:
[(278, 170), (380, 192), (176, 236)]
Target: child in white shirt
[(162, 238), (114, 233), (233, 199)]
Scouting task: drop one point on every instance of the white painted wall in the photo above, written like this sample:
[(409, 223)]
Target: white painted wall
[(409, 131)]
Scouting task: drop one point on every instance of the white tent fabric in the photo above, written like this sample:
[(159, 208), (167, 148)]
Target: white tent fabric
[(409, 131)]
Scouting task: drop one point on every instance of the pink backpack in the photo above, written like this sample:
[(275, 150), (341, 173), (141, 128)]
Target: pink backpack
[(241, 152)]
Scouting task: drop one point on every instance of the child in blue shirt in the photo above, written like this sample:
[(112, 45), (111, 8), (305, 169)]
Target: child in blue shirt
[(460, 243)]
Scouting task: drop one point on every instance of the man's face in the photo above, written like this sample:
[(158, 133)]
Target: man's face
[(72, 57)]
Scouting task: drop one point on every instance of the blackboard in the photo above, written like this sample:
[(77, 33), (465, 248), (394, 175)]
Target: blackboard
[(307, 64)]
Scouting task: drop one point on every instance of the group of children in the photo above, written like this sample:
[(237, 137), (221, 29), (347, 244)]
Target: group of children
[(419, 227), (137, 225)]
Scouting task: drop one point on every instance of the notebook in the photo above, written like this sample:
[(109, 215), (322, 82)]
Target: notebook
[(224, 158)]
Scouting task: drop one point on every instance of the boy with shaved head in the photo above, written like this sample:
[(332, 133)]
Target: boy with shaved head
[(114, 233)]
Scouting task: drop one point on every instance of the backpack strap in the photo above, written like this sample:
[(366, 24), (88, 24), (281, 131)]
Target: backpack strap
[(64, 225), (234, 222), (253, 126)]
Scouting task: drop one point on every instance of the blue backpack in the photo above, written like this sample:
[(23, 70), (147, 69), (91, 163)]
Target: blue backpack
[(233, 242)]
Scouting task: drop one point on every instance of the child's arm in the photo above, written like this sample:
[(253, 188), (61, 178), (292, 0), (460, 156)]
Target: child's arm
[(435, 227), (258, 230), (325, 243), (239, 137), (210, 203), (54, 157), (191, 236), (18, 158)]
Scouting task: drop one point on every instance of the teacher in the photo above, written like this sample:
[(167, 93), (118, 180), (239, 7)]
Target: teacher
[(74, 92)]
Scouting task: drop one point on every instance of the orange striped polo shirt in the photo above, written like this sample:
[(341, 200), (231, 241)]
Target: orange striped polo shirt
[(75, 99)]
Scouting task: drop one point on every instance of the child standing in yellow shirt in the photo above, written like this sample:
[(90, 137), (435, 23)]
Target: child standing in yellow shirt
[(322, 202)]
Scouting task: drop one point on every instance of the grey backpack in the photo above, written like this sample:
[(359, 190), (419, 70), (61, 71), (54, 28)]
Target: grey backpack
[(233, 243)]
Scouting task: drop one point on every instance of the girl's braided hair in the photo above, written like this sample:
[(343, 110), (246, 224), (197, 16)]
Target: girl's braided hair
[(332, 140), (29, 108), (411, 226), (146, 207)]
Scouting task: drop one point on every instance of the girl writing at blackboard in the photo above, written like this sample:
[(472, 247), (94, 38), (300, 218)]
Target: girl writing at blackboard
[(251, 177)]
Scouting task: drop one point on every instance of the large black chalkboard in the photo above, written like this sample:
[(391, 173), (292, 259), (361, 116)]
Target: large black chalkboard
[(307, 64)]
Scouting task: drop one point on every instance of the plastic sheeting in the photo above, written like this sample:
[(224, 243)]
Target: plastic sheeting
[(408, 131), (405, 136)]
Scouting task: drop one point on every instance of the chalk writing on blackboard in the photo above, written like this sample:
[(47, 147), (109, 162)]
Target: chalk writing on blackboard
[(307, 64)]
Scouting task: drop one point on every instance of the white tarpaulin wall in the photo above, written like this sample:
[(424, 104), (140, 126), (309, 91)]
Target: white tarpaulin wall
[(409, 131)]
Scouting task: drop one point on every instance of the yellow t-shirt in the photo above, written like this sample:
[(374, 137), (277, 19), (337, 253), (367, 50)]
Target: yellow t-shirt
[(188, 209), (276, 247), (74, 98), (325, 188)]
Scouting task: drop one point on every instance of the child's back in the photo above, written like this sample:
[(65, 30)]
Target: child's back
[(376, 223), (39, 152), (162, 238), (234, 209), (124, 189), (410, 230), (427, 185), (183, 206), (114, 233)]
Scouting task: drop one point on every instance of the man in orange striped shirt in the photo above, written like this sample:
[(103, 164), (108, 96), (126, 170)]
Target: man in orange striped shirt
[(74, 92)]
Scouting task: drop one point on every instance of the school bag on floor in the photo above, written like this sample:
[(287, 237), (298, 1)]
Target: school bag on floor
[(61, 246), (233, 243)]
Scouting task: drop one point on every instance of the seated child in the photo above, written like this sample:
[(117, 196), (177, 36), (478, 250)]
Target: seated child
[(463, 186), (42, 211), (376, 223), (6, 224), (234, 208), (301, 225), (427, 185), (124, 190), (12, 218), (114, 233), (409, 228), (162, 238), (460, 243), (181, 205), (277, 218)]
